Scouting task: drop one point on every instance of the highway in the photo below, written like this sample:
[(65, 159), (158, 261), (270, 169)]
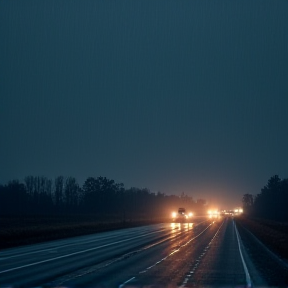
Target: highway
[(207, 252)]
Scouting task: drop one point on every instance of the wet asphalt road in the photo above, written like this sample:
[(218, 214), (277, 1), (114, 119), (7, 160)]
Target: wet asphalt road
[(207, 252)]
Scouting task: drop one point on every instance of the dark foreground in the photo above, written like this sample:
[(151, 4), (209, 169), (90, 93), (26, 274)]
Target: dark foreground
[(205, 253)]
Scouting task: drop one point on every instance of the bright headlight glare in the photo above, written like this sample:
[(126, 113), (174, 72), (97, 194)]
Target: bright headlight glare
[(173, 214)]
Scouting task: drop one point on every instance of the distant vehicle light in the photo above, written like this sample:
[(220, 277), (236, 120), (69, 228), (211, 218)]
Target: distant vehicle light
[(240, 210), (174, 214), (209, 212), (190, 214)]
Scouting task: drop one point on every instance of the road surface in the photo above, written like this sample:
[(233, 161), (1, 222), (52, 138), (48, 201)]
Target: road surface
[(207, 252)]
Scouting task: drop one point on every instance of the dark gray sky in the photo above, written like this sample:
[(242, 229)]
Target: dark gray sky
[(188, 95)]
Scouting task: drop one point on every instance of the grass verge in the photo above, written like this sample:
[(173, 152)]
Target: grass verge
[(273, 234)]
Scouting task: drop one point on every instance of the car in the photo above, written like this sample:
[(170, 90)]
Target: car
[(213, 213), (181, 215)]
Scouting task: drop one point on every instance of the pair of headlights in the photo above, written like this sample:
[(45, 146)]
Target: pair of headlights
[(174, 214)]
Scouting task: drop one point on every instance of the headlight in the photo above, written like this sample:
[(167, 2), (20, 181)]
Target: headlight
[(190, 214), (174, 214)]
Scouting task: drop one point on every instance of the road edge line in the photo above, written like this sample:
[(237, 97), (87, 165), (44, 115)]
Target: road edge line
[(248, 278), (269, 251)]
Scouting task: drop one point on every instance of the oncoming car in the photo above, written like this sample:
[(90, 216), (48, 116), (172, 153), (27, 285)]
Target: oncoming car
[(213, 214), (181, 215)]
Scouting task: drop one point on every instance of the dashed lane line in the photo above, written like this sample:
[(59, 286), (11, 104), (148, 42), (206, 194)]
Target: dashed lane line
[(93, 269), (192, 271), (172, 253)]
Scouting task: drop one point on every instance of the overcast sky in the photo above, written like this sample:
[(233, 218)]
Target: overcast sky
[(174, 95)]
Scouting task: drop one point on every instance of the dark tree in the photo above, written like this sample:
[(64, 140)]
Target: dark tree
[(71, 192), (271, 203), (59, 193), (14, 199), (247, 202)]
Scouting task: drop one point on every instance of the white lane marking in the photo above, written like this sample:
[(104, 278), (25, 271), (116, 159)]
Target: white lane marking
[(267, 249), (83, 251), (61, 281), (120, 286), (173, 252), (85, 241), (78, 243), (75, 253), (199, 259), (248, 279), (24, 254), (66, 245), (58, 248)]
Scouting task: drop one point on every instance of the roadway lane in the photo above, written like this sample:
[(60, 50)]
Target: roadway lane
[(209, 257), (162, 265), (221, 263), (208, 252), (36, 264)]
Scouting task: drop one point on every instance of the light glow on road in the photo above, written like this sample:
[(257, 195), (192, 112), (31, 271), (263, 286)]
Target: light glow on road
[(169, 255), (175, 227)]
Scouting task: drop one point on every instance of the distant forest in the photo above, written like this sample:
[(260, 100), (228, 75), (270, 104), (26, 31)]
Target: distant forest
[(101, 197), (271, 203)]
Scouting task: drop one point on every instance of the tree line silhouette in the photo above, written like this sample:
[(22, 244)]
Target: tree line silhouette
[(271, 203), (102, 197)]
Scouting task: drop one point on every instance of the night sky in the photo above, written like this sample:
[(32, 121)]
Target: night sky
[(173, 95)]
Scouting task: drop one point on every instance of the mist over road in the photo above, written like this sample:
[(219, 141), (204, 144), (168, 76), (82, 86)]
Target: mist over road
[(207, 252)]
